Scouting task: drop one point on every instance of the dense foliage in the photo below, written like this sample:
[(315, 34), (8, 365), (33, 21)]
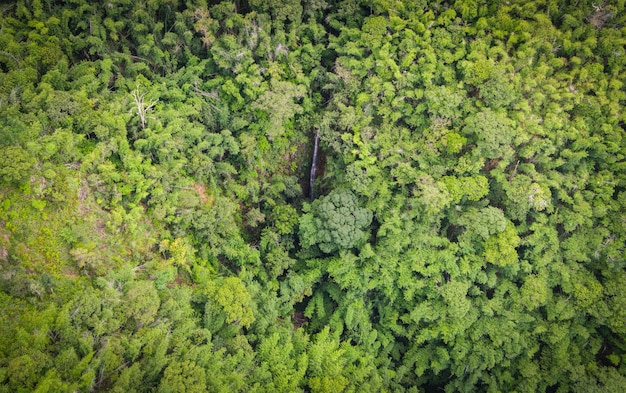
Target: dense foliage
[(469, 232)]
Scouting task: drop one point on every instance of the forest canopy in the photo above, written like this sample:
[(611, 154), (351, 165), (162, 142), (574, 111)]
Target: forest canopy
[(157, 226)]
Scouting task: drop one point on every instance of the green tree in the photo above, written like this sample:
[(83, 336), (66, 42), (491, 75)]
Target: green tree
[(335, 222), (493, 132), (15, 164), (184, 377), (142, 302), (279, 103)]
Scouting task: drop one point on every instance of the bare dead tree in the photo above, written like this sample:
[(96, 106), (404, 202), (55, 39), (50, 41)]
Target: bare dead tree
[(143, 107)]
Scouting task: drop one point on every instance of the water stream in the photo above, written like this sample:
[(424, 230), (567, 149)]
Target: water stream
[(314, 166)]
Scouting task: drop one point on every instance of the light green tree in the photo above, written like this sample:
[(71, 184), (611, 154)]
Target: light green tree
[(233, 297)]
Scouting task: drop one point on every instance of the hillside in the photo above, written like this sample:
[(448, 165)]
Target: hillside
[(161, 230)]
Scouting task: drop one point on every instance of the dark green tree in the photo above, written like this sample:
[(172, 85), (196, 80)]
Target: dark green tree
[(335, 222)]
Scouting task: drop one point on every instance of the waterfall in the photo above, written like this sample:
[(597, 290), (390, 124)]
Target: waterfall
[(314, 166)]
